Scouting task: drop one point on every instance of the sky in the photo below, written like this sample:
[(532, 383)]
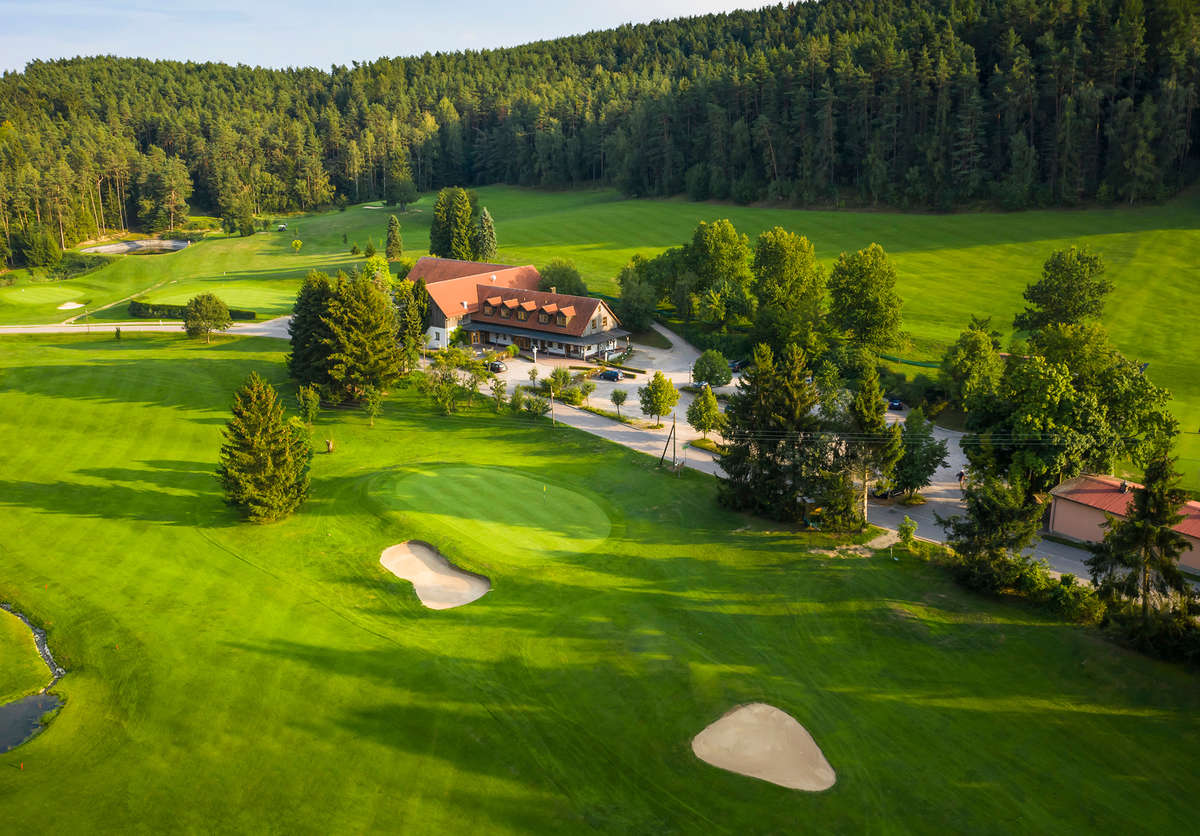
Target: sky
[(309, 33)]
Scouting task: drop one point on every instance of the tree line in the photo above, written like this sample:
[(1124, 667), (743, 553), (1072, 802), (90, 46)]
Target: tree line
[(921, 103)]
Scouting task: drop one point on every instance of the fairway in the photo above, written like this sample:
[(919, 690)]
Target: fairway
[(949, 267), (223, 675)]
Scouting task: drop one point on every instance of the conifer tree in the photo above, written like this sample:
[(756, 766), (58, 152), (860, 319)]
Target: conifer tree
[(360, 343), (483, 241), (1139, 557), (264, 460), (307, 360), (450, 231), (395, 244)]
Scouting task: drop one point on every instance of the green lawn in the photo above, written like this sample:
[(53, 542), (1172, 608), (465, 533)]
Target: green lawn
[(949, 267), (240, 678), (22, 670)]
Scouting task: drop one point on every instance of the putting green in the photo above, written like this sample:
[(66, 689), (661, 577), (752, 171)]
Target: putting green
[(23, 671), (495, 508), (40, 294)]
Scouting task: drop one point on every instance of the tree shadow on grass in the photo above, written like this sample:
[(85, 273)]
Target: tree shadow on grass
[(118, 502)]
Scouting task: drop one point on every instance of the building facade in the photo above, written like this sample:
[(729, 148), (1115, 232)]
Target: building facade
[(500, 305), (1078, 507)]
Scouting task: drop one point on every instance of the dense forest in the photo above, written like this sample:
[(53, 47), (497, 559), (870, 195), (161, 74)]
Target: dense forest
[(927, 104)]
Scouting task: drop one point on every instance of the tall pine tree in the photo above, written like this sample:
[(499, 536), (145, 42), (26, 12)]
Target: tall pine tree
[(362, 352)]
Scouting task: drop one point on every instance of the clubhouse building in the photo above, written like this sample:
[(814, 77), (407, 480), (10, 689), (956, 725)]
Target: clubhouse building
[(1078, 508), (496, 304)]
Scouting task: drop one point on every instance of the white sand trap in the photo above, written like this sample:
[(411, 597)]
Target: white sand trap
[(70, 306), (439, 583), (120, 247), (763, 742)]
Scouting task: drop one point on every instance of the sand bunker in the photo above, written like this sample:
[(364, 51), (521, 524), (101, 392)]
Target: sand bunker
[(70, 306), (763, 742), (439, 583), (121, 247)]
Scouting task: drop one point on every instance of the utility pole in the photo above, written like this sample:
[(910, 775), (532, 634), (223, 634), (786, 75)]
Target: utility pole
[(673, 440)]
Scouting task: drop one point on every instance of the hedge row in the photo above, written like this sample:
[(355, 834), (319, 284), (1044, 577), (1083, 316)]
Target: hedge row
[(153, 310)]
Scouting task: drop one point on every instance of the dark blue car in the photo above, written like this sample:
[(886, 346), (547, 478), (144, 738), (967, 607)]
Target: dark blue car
[(610, 374)]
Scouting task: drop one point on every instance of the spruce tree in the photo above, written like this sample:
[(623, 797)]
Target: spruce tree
[(394, 248), (307, 360), (483, 241), (450, 232), (459, 217), (1139, 557), (361, 348), (264, 460)]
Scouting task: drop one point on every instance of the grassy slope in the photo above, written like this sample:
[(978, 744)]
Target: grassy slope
[(949, 266), (275, 678), (21, 668)]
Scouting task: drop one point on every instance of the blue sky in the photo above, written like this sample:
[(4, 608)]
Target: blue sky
[(306, 32)]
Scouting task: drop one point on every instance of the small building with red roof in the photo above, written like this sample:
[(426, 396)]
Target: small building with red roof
[(1078, 507), (496, 304)]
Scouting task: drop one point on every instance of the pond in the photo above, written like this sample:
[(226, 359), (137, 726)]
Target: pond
[(22, 719)]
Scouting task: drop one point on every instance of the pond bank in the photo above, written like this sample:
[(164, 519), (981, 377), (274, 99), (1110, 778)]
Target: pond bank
[(22, 719)]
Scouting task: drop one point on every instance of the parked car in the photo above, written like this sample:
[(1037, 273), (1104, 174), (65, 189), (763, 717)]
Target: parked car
[(894, 403), (497, 367), (885, 490), (738, 365), (610, 374)]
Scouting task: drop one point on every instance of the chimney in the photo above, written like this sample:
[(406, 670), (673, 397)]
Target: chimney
[(553, 289), (493, 278)]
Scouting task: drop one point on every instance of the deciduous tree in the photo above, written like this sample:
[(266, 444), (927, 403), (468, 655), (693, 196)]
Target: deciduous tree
[(862, 299), (658, 397), (204, 314)]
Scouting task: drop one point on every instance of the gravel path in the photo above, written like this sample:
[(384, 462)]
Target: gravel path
[(277, 328)]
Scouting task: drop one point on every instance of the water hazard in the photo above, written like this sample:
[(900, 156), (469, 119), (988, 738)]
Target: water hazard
[(22, 719)]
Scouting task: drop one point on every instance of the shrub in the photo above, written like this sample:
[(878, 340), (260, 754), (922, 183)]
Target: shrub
[(536, 406), (142, 309)]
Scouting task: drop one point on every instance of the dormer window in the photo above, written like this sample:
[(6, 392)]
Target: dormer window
[(522, 314), (488, 310), (505, 313), (544, 318), (561, 320)]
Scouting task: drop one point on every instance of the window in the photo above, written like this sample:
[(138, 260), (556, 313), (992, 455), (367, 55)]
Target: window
[(561, 320), (505, 313), (522, 314), (606, 322), (488, 310), (544, 318)]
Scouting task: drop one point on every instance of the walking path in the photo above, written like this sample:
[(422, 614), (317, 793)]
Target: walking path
[(277, 327)]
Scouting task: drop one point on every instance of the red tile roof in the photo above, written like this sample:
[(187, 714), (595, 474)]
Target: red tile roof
[(432, 269), (1104, 493), (455, 286), (579, 310)]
